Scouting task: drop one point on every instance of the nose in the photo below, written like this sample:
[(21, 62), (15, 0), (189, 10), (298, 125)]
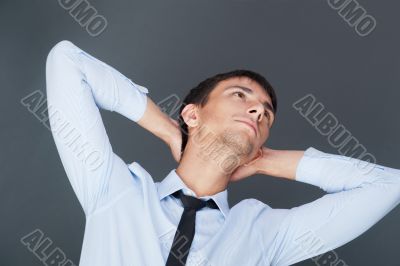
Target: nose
[(256, 111)]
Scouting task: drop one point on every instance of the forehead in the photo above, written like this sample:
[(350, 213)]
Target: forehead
[(243, 82)]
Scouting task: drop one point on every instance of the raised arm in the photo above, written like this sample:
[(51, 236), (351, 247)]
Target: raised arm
[(356, 200), (77, 85)]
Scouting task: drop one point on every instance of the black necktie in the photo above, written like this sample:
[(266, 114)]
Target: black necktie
[(186, 228)]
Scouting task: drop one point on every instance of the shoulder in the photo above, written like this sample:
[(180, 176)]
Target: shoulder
[(252, 203), (140, 176), (258, 210), (250, 207)]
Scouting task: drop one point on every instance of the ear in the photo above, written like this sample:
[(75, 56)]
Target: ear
[(190, 115)]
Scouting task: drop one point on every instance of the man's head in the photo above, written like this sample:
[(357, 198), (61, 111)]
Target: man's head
[(225, 104)]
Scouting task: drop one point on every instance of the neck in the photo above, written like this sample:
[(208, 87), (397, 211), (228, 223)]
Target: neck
[(206, 169)]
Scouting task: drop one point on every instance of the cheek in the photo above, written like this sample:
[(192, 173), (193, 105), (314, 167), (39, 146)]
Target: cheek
[(212, 119), (265, 135), (218, 113)]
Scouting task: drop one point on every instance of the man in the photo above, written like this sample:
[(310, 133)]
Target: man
[(185, 219)]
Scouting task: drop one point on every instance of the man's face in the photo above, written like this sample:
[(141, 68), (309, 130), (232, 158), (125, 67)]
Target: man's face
[(237, 112)]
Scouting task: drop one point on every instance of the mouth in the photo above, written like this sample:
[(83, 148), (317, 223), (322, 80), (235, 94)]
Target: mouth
[(250, 125)]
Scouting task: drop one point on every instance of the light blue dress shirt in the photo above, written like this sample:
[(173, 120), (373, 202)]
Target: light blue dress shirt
[(131, 220)]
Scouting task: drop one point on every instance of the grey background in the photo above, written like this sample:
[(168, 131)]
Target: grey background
[(169, 46)]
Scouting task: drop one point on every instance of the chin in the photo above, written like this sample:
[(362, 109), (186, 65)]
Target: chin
[(238, 141)]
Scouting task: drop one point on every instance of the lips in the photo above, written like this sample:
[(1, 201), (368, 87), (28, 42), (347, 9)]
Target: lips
[(251, 124)]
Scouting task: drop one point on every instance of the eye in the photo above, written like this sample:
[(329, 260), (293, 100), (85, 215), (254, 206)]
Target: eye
[(241, 94)]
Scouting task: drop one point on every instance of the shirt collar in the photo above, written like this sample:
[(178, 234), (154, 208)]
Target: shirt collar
[(172, 182)]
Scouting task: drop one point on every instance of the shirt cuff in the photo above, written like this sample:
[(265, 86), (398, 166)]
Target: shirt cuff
[(307, 169), (134, 101)]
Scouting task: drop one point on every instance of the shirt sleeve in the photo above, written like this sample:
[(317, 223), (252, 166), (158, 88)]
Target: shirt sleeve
[(77, 85), (357, 199)]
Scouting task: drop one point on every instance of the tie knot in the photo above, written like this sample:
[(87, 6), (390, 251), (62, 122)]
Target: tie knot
[(193, 203)]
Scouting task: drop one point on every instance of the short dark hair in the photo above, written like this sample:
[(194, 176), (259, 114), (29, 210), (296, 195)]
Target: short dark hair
[(199, 94)]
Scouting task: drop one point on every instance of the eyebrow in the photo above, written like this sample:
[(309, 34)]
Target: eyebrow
[(267, 105)]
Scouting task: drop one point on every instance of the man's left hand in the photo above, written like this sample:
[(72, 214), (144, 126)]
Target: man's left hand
[(250, 168)]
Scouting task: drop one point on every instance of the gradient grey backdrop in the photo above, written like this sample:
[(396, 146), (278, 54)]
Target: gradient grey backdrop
[(169, 46)]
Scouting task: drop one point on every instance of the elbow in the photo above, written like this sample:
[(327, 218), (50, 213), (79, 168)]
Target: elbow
[(385, 180), (58, 53), (392, 192), (391, 184), (61, 46), (55, 62), (396, 184)]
